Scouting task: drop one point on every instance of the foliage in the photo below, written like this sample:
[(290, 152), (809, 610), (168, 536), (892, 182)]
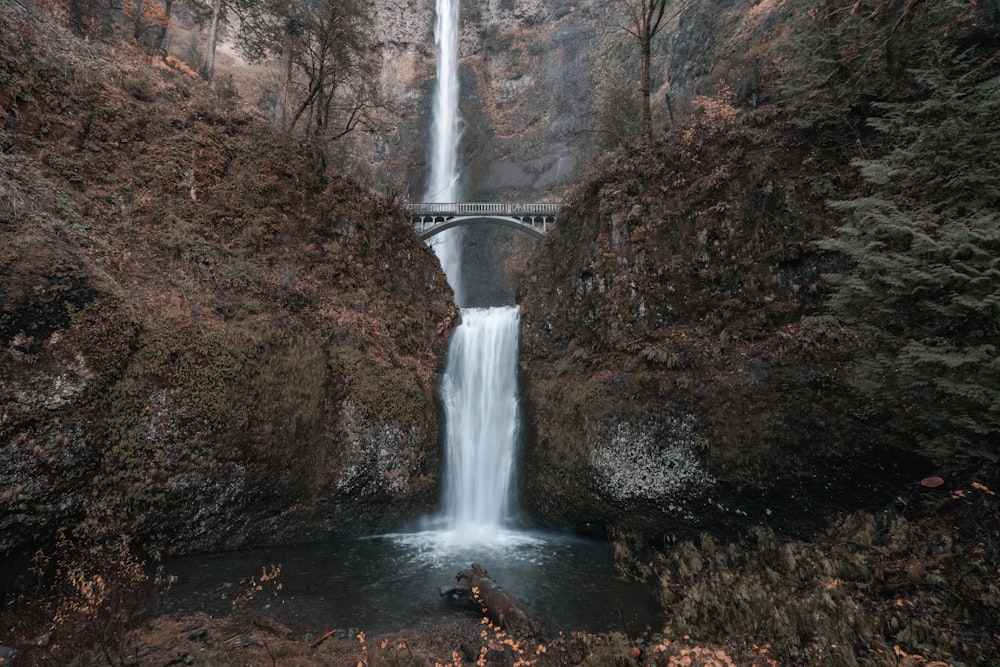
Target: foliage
[(867, 590), (290, 420), (324, 42), (139, 86), (256, 591), (84, 596), (922, 292), (144, 18), (379, 390), (141, 21), (838, 57), (617, 101)]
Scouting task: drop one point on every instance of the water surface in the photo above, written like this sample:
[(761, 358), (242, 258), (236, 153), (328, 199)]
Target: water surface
[(387, 583)]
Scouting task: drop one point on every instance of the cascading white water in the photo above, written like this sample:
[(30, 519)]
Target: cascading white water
[(479, 388), (445, 136), (481, 411)]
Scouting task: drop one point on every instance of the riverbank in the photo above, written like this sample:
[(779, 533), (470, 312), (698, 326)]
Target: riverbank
[(923, 573), (202, 640), (910, 585)]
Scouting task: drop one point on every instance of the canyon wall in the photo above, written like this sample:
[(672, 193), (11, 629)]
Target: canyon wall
[(545, 89), (206, 342), (681, 371)]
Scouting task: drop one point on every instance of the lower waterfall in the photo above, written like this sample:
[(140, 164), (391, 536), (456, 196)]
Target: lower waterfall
[(479, 392)]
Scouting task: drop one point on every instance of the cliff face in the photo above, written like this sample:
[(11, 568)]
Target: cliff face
[(527, 103), (525, 78), (205, 343), (670, 381), (535, 84), (543, 86)]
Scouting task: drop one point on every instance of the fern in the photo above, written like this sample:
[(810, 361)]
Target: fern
[(659, 355)]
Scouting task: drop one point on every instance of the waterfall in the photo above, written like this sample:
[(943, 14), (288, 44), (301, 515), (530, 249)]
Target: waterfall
[(445, 136), (479, 387), (479, 391)]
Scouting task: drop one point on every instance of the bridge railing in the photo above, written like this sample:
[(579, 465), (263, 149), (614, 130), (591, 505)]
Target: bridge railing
[(482, 208)]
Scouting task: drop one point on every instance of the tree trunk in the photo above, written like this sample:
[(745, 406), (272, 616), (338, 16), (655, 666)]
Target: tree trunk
[(475, 585), (646, 49), (213, 37), (161, 33), (304, 104), (281, 107)]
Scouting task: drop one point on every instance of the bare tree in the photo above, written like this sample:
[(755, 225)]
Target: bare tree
[(322, 50), (643, 20), (330, 56)]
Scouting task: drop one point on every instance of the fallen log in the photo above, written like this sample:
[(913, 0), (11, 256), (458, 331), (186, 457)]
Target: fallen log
[(475, 586), (319, 640)]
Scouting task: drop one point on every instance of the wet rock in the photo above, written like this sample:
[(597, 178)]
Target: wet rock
[(647, 461)]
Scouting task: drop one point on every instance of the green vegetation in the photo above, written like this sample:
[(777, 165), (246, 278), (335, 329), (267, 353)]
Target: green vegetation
[(865, 591), (921, 296), (380, 390)]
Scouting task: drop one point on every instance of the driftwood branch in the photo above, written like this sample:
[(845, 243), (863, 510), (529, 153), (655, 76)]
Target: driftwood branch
[(475, 587), (319, 640)]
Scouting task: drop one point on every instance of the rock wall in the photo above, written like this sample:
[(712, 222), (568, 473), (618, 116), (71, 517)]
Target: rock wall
[(526, 76), (532, 77), (530, 72), (206, 342), (669, 383)]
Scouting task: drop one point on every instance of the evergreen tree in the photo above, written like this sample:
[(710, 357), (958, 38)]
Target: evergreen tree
[(922, 291)]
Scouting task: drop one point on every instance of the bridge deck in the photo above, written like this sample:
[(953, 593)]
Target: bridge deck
[(479, 208), (431, 218)]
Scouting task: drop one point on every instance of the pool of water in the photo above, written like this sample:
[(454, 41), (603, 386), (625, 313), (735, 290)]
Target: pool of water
[(386, 583)]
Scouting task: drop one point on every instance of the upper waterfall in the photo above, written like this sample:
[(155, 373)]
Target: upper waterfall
[(445, 137)]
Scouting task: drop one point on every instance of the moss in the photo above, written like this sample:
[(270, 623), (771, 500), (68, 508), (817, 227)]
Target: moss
[(123, 489), (64, 168), (140, 86), (185, 241), (495, 40), (379, 390), (613, 650), (290, 431)]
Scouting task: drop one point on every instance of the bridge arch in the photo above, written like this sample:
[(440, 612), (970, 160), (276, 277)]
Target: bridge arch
[(431, 219), (428, 229)]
